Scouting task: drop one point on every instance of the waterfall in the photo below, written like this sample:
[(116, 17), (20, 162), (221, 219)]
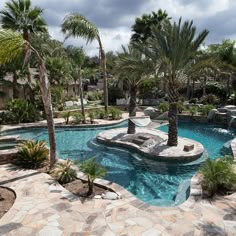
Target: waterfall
[(231, 121)]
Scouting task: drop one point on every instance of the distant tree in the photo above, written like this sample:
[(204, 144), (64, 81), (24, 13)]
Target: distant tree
[(76, 25), (142, 27), (133, 68)]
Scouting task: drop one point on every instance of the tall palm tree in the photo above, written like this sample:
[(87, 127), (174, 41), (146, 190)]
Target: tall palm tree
[(11, 46), (174, 48), (20, 16), (133, 67), (76, 25)]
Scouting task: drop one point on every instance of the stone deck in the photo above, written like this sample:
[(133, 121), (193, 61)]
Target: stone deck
[(150, 146), (45, 209)]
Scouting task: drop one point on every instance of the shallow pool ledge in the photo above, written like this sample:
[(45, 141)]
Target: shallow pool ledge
[(150, 148)]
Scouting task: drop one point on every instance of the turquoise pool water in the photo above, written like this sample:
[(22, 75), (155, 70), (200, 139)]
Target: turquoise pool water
[(212, 137), (156, 183)]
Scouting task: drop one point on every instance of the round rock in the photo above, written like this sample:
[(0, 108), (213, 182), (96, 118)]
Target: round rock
[(110, 196)]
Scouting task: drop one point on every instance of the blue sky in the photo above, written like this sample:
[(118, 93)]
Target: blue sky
[(114, 18)]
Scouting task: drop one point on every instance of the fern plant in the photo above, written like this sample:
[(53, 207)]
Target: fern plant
[(32, 154), (64, 173), (93, 170), (218, 175)]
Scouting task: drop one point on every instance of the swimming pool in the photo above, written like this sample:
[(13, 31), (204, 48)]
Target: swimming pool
[(156, 183)]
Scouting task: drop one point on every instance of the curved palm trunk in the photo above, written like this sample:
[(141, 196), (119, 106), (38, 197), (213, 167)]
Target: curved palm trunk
[(173, 116), (46, 97), (90, 186), (188, 89), (204, 86), (15, 91), (81, 95), (104, 73), (132, 109)]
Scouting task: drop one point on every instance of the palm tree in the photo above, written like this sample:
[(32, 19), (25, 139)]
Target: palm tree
[(78, 57), (173, 49), (20, 16), (133, 67), (76, 25), (11, 46)]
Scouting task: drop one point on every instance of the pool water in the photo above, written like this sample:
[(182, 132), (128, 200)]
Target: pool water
[(212, 137), (156, 183)]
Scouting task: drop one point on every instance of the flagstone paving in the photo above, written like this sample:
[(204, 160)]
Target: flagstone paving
[(45, 209)]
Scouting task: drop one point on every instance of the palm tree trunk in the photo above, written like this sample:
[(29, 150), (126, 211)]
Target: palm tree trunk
[(132, 109), (81, 95), (90, 186), (204, 86), (15, 91), (104, 73), (173, 116), (188, 89), (46, 96)]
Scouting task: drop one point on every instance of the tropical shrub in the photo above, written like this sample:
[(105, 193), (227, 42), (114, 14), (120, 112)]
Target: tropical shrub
[(116, 114), (181, 107), (163, 107), (91, 116), (206, 109), (218, 175), (193, 110), (66, 117), (32, 154), (95, 95), (100, 114), (210, 99), (77, 118), (22, 111), (64, 173), (93, 170)]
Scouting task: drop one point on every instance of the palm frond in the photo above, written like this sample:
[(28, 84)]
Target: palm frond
[(11, 45), (76, 25)]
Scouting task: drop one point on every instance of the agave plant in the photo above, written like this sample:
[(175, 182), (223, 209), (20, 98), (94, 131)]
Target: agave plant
[(93, 170), (218, 175), (64, 173), (32, 154)]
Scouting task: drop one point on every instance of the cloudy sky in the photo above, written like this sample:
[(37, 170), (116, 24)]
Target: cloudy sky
[(115, 17)]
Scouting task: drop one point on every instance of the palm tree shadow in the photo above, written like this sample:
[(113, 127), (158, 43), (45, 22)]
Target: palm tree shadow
[(211, 229)]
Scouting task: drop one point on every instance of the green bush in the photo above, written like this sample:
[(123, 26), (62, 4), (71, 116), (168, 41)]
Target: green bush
[(22, 111), (218, 175), (91, 116), (32, 154), (193, 110), (93, 170), (210, 99), (163, 107), (77, 118), (206, 109), (64, 173), (181, 107), (100, 114), (95, 95), (66, 117), (116, 114)]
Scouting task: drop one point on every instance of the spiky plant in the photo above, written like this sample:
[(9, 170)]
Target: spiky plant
[(66, 116), (93, 170), (64, 173), (218, 175), (32, 154)]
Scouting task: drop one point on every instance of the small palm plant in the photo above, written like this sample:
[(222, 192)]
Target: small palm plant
[(64, 173), (32, 154), (93, 170), (66, 117), (218, 175)]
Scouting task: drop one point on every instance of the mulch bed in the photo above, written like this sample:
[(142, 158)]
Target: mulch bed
[(7, 198), (80, 188)]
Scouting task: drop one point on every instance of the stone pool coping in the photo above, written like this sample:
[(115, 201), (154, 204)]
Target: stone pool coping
[(162, 152)]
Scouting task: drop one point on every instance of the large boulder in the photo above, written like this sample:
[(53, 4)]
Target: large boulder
[(151, 111)]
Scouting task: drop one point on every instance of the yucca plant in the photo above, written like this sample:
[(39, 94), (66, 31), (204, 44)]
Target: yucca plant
[(93, 170), (32, 154), (218, 175), (64, 173)]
